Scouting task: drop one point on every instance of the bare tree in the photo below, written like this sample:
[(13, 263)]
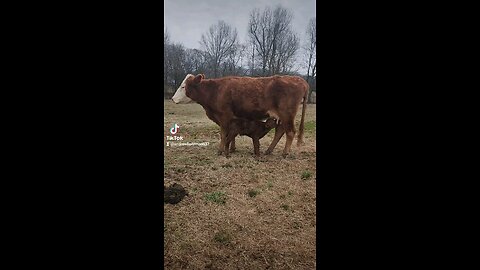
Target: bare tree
[(287, 47), (233, 63), (194, 61), (177, 64), (166, 37), (310, 49), (166, 41), (273, 40), (174, 66), (250, 60), (219, 42), (258, 29)]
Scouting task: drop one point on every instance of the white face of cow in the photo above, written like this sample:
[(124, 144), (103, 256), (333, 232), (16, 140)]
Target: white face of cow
[(180, 96)]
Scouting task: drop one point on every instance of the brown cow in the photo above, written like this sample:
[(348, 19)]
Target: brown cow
[(180, 98), (250, 98), (253, 129)]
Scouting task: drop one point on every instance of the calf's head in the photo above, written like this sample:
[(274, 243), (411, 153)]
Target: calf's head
[(271, 123)]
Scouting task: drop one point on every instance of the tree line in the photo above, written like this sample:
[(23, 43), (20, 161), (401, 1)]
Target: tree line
[(272, 47)]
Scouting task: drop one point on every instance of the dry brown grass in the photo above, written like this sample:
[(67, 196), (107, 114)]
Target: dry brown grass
[(268, 218)]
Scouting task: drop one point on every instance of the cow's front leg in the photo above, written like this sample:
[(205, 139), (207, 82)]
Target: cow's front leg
[(279, 131), (223, 135)]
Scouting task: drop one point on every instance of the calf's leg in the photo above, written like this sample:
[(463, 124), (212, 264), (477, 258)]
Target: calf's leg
[(256, 146)]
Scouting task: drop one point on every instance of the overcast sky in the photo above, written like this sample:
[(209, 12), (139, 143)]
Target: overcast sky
[(186, 20)]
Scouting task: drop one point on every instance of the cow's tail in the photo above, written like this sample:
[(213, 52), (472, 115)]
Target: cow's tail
[(302, 126)]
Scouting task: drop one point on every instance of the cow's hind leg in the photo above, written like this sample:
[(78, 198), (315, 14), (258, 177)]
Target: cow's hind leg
[(230, 138), (227, 154), (232, 146), (223, 135), (290, 130), (279, 131)]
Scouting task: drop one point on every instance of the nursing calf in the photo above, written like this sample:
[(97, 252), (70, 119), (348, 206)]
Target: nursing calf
[(253, 129)]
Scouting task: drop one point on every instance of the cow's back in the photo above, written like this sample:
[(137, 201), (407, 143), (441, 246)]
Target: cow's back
[(253, 98)]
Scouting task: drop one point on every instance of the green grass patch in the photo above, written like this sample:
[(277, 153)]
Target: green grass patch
[(185, 160), (310, 125), (252, 193), (296, 225), (203, 161), (217, 197), (180, 170), (306, 175), (222, 237)]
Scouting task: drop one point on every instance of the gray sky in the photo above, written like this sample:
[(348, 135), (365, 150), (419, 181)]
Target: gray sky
[(187, 20)]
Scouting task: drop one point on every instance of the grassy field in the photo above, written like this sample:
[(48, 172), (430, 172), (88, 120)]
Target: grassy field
[(241, 213)]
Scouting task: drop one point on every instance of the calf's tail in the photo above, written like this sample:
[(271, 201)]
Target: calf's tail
[(304, 108)]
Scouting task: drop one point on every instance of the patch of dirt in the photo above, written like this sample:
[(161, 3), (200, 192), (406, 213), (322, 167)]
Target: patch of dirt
[(173, 194)]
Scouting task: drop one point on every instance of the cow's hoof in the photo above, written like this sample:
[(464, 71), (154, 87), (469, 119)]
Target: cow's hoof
[(219, 152), (268, 152), (232, 150), (284, 155)]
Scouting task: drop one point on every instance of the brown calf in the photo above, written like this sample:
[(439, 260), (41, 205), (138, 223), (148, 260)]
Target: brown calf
[(253, 129)]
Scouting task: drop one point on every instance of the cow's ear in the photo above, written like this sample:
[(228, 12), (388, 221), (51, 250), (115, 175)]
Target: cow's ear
[(198, 78)]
